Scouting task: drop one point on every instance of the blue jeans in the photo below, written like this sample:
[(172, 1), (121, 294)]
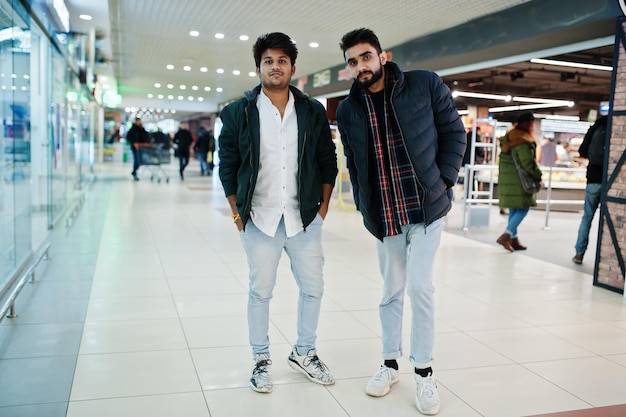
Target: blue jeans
[(406, 261), (204, 165), (592, 201), (515, 219), (135, 159), (307, 262)]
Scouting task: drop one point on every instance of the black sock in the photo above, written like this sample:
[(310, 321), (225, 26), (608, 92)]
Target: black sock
[(391, 363), (424, 372)]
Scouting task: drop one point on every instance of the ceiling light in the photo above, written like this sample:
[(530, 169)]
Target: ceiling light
[(183, 87), (194, 33), (219, 89), (169, 66), (314, 45), (463, 112), (157, 85), (557, 117), (85, 17), (194, 87), (187, 68), (219, 36), (181, 98), (220, 70), (244, 37), (173, 111), (252, 74), (207, 88), (200, 99), (236, 72), (160, 96), (150, 95), (571, 64), (203, 69), (170, 97), (190, 98), (567, 103), (525, 107), (481, 95), (170, 86)]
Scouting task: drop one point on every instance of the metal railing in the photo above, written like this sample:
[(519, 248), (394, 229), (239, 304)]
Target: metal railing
[(9, 293), (470, 196)]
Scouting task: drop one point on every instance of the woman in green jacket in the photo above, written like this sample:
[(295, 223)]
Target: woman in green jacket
[(520, 144)]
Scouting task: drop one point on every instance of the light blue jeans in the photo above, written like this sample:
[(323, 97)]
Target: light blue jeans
[(592, 201), (406, 261), (515, 219), (307, 262)]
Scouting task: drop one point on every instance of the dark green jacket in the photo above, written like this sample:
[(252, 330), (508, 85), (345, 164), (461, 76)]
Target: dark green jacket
[(239, 144), (510, 192)]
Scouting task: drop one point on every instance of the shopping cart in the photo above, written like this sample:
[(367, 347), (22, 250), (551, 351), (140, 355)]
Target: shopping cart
[(152, 156)]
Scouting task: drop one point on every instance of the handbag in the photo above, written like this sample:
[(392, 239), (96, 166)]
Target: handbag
[(529, 184)]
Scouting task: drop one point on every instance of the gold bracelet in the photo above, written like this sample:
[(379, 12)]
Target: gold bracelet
[(235, 217)]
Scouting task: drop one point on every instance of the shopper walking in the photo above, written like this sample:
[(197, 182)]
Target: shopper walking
[(201, 149), (136, 135), (593, 149), (278, 167), (520, 144), (404, 144), (184, 140)]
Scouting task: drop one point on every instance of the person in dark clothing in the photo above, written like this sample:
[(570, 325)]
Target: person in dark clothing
[(183, 139), (160, 138), (404, 144), (593, 149), (201, 149), (137, 134)]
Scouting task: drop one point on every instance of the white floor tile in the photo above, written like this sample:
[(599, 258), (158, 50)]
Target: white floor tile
[(208, 332), (187, 404), (130, 308), (133, 374)]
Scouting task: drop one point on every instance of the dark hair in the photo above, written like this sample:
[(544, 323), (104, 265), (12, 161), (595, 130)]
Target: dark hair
[(275, 40), (358, 36)]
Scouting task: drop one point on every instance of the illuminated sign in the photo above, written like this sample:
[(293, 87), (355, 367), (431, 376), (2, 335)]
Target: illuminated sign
[(60, 14)]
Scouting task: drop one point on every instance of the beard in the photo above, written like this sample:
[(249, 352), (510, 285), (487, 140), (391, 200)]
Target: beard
[(368, 83)]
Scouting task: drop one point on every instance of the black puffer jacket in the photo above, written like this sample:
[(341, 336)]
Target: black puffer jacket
[(433, 134)]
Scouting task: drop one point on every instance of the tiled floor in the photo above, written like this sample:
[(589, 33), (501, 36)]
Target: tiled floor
[(141, 312)]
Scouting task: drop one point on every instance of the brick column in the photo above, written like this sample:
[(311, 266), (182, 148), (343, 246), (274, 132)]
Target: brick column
[(613, 222)]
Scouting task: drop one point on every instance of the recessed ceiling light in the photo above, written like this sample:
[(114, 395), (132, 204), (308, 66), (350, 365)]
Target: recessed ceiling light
[(314, 45), (252, 74), (187, 68), (170, 97), (200, 99), (169, 66), (220, 70), (170, 86), (244, 37), (219, 35), (219, 89), (194, 87), (160, 96), (183, 87), (236, 72), (190, 98), (203, 69), (85, 17), (181, 98), (194, 33), (207, 88), (157, 85), (173, 111)]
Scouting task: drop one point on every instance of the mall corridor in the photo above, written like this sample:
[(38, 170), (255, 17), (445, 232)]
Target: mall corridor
[(141, 311)]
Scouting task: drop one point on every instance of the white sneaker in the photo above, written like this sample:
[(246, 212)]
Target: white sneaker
[(261, 379), (380, 384), (311, 366), (427, 398)]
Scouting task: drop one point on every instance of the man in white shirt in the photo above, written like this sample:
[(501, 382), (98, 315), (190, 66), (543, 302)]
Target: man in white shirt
[(278, 167)]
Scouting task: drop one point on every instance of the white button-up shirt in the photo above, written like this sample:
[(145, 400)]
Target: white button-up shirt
[(276, 190)]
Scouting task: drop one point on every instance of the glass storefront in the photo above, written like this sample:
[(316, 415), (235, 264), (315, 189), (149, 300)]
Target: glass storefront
[(46, 139)]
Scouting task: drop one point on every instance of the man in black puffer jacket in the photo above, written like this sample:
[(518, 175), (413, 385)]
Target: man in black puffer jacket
[(404, 144)]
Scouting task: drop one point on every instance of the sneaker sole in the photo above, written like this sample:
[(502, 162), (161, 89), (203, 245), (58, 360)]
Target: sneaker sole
[(296, 367), (382, 394), (261, 390), (430, 412)]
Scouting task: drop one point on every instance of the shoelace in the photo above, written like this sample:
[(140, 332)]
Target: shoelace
[(317, 363), (260, 369), (382, 372), (428, 387)]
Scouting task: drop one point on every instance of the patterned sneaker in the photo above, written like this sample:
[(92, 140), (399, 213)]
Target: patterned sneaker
[(311, 366), (261, 380), (427, 398), (380, 384)]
